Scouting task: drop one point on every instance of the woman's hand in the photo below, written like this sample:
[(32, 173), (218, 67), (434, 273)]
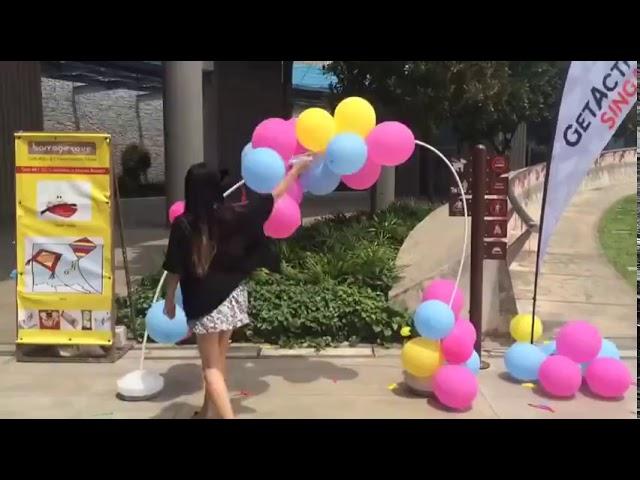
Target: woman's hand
[(302, 163), (170, 299), (170, 309)]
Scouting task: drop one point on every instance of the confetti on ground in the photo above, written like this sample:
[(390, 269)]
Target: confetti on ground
[(529, 385), (244, 393), (334, 380), (542, 407), (405, 331), (393, 386)]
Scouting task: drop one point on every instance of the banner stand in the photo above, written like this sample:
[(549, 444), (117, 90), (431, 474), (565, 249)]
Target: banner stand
[(65, 295)]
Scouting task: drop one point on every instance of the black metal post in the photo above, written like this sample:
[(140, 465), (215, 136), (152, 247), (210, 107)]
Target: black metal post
[(479, 159)]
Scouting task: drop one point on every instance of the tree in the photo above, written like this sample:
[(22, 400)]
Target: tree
[(400, 90), (483, 101)]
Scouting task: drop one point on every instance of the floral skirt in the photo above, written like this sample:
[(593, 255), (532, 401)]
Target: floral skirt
[(231, 314)]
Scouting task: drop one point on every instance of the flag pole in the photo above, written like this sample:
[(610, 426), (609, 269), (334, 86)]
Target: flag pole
[(545, 187)]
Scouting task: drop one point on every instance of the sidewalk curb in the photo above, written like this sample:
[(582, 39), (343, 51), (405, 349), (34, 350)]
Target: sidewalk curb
[(265, 351), (249, 350)]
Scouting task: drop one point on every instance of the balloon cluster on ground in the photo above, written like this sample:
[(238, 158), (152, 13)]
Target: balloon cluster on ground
[(444, 353), (559, 366), (347, 146)]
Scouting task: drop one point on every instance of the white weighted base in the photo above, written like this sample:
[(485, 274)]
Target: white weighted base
[(139, 385), (419, 386)]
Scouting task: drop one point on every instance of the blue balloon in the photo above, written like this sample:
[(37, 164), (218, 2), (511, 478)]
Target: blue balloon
[(548, 348), (262, 169), (523, 361), (607, 350), (319, 179), (346, 154), (434, 319), (247, 148), (163, 329), (473, 363)]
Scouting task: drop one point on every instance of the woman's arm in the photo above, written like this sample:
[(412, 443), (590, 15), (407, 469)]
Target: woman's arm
[(302, 164), (170, 301)]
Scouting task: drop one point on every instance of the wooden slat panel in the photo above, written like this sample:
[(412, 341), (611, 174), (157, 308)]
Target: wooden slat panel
[(20, 109)]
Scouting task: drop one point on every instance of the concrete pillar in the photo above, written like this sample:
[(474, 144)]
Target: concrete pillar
[(183, 123), (210, 118), (385, 189)]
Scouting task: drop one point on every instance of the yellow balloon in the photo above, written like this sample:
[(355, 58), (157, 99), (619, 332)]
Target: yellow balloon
[(355, 115), (315, 128), (520, 328), (421, 357)]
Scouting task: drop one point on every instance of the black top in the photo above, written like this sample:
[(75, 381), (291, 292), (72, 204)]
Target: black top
[(241, 248)]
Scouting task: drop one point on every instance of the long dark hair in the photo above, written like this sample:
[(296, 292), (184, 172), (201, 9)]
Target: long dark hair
[(203, 195)]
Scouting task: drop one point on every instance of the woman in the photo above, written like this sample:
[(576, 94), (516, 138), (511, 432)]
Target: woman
[(213, 248)]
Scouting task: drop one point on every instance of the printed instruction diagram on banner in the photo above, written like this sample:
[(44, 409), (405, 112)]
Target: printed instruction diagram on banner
[(63, 244)]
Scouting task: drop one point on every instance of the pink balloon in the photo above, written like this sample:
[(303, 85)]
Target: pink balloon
[(176, 210), (560, 376), (441, 289), (390, 144), (295, 191), (364, 178), (466, 326), (579, 340), (608, 377), (299, 150), (277, 134), (455, 386), (285, 218), (457, 347)]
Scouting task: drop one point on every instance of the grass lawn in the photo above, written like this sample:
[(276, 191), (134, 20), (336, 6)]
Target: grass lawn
[(617, 234)]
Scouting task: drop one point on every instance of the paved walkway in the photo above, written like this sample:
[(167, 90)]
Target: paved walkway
[(577, 281), (304, 387)]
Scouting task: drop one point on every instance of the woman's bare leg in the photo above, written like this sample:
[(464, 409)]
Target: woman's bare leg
[(224, 338), (215, 386), (208, 409)]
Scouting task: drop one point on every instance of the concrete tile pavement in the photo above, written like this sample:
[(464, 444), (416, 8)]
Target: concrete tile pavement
[(303, 387)]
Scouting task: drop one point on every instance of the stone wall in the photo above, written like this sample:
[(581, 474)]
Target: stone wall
[(112, 111)]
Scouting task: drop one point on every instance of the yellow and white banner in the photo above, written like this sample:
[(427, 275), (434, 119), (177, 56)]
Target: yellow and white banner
[(63, 238)]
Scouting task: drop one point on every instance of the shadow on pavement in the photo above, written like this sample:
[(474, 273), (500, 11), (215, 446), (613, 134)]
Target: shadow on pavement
[(184, 410), (539, 392), (435, 404), (506, 377), (404, 391), (584, 390), (247, 378), (180, 380)]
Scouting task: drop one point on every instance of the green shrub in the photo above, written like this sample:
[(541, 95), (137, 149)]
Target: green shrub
[(335, 280), (291, 313)]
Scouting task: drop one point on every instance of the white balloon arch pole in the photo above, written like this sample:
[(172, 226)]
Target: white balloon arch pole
[(464, 208)]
